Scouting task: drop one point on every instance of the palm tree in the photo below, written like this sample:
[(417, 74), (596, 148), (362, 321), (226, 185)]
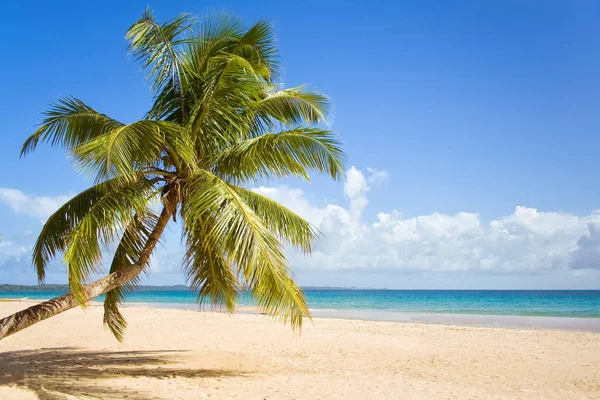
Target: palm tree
[(219, 122)]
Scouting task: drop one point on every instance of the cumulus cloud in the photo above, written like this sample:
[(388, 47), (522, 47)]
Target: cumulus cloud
[(294, 199), (525, 241), (14, 260), (36, 206), (377, 177), (9, 249), (587, 253), (355, 188)]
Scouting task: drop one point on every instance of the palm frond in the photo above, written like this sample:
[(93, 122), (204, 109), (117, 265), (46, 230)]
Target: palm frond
[(229, 85), (293, 106), (223, 33), (129, 148), (52, 238), (249, 245), (109, 215), (128, 253), (287, 225), (258, 47), (158, 48), (68, 123), (206, 266), (215, 33), (293, 152)]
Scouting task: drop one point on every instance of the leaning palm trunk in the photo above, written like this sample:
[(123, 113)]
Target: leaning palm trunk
[(39, 312)]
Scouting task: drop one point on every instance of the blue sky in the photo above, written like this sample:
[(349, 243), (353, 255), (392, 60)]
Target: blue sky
[(466, 109)]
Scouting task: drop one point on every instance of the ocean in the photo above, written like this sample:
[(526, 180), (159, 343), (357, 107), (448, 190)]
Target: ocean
[(546, 303)]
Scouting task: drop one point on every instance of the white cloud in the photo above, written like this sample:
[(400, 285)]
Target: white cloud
[(14, 261), (526, 241), (377, 177), (293, 199), (355, 183), (553, 247), (36, 206), (587, 253), (9, 249), (355, 188)]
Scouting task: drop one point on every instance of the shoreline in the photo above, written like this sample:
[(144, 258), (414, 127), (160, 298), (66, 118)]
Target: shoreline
[(576, 324), (552, 323)]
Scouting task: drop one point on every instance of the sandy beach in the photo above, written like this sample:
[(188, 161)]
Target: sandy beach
[(182, 354)]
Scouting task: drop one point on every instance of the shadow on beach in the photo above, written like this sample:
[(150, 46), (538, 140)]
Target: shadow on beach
[(53, 373)]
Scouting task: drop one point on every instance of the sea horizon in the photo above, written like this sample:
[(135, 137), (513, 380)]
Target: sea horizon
[(59, 286)]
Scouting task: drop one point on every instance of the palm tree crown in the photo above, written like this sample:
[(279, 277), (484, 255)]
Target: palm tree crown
[(219, 122)]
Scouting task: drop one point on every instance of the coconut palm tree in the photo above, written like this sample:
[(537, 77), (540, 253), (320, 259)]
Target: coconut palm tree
[(219, 122)]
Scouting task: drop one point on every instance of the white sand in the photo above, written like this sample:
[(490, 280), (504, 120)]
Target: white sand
[(179, 354)]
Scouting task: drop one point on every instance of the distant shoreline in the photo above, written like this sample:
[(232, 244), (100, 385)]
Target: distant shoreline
[(60, 288)]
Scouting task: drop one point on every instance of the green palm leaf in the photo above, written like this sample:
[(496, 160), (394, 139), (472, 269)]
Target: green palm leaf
[(229, 85), (107, 216), (129, 148), (291, 107), (283, 222), (222, 33), (256, 46), (249, 244), (206, 266), (69, 122), (128, 252), (158, 48), (52, 238), (280, 155)]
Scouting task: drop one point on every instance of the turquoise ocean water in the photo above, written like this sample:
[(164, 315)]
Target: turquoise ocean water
[(550, 303)]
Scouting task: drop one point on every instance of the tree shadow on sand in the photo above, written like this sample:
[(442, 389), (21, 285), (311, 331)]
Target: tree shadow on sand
[(53, 373)]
